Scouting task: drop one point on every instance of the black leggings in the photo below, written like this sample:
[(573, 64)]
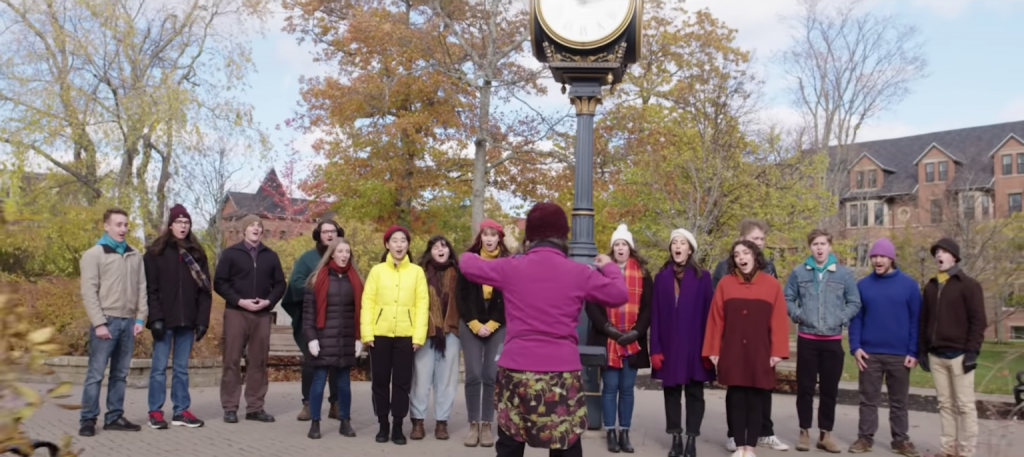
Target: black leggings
[(745, 405), (509, 447), (392, 361), (819, 363), (694, 393)]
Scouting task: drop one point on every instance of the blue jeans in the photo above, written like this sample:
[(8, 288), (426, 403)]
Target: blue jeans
[(316, 392), (618, 391), (118, 352), (181, 338)]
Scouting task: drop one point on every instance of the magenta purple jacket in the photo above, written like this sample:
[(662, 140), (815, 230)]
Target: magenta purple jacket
[(544, 294)]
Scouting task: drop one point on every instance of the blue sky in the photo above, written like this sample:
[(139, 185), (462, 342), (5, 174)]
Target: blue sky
[(974, 51)]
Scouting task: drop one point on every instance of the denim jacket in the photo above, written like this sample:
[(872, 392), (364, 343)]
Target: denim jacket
[(822, 307)]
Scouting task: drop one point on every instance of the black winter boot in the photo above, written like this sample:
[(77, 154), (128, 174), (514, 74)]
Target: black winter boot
[(382, 435), (397, 436), (691, 447), (624, 443), (314, 430), (677, 446), (613, 441)]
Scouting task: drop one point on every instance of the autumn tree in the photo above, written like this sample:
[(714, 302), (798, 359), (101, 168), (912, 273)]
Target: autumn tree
[(389, 117), (108, 92), (845, 67)]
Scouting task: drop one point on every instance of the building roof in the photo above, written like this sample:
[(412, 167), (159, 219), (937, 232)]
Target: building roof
[(970, 149), (269, 201)]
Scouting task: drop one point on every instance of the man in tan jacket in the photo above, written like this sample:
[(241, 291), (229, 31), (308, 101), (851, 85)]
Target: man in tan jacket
[(114, 295)]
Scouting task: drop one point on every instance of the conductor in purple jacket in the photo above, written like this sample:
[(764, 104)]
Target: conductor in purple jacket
[(540, 396)]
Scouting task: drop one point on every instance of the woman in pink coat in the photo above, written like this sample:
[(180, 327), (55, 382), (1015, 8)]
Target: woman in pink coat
[(541, 398)]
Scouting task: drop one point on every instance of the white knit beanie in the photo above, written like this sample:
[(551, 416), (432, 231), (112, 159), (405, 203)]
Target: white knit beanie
[(685, 234), (622, 233)]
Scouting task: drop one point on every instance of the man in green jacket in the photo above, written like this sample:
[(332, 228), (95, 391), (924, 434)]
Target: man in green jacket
[(324, 233)]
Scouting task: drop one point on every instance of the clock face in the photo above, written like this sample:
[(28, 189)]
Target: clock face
[(584, 24)]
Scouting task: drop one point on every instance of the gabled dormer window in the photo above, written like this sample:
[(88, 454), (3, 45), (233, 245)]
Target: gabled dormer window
[(872, 179), (860, 180), (929, 172), (943, 170)]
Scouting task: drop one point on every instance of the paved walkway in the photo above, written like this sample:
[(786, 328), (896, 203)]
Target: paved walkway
[(287, 436)]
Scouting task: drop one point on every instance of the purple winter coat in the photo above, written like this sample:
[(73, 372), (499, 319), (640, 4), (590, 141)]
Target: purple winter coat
[(677, 329)]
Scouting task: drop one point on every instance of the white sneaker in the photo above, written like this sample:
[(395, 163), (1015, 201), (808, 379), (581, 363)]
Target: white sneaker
[(772, 442), (731, 445), (739, 454)]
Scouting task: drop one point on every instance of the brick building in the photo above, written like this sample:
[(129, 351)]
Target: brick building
[(283, 216), (951, 183)]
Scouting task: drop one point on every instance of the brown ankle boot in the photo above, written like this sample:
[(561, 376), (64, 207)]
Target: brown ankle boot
[(333, 413), (417, 430), (473, 436), (804, 444), (441, 430), (826, 444), (305, 414), (486, 438)]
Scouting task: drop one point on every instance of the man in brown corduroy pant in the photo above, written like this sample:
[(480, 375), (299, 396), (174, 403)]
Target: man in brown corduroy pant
[(250, 279)]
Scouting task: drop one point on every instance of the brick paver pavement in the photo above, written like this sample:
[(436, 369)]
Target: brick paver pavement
[(287, 437)]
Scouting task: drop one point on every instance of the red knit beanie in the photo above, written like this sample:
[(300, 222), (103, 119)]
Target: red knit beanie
[(178, 212), (391, 231), (489, 223), (546, 220)]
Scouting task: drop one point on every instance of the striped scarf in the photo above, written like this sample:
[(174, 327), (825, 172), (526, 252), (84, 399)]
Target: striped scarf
[(624, 317)]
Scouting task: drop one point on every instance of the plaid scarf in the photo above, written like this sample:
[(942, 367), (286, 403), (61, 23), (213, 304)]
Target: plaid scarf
[(624, 317), (193, 267)]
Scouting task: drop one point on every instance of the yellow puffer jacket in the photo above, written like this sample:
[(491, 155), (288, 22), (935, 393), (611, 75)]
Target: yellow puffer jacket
[(396, 302)]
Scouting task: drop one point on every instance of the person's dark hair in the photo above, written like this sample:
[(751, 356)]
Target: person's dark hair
[(691, 261), (759, 261), (426, 257), (191, 244), (818, 233), (478, 244), (635, 255), (112, 211), (558, 243), (320, 226)]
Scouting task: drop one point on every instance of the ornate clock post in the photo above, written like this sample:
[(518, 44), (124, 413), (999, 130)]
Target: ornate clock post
[(587, 44)]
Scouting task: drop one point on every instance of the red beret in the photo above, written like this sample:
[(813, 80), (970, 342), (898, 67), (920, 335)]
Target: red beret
[(396, 228), (546, 220)]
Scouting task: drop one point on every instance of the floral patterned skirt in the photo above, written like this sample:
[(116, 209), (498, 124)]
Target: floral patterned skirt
[(542, 409)]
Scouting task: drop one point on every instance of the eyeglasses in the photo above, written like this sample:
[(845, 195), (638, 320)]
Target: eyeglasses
[(328, 232), (183, 223)]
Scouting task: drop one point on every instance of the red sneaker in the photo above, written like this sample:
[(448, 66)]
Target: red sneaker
[(156, 420)]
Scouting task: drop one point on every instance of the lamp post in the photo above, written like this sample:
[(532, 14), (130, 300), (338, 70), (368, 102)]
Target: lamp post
[(921, 255), (587, 46)]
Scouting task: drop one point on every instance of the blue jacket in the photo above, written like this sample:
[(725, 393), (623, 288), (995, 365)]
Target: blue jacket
[(889, 316), (822, 305)]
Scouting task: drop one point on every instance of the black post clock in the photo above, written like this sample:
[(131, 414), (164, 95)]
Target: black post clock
[(587, 44)]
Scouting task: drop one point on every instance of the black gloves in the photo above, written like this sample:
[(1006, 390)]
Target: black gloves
[(629, 337), (612, 332), (200, 332), (970, 361), (157, 328), (923, 361)]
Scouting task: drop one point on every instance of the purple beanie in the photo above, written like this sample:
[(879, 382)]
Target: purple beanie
[(883, 247)]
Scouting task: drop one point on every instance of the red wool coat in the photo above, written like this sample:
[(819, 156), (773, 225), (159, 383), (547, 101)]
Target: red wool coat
[(747, 326)]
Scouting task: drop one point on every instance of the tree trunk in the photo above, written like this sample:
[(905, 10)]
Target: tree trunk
[(479, 194)]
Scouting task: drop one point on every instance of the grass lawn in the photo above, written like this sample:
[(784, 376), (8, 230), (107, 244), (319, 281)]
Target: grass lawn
[(998, 365)]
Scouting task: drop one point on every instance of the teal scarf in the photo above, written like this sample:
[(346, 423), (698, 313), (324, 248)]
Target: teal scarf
[(818, 271), (119, 246)]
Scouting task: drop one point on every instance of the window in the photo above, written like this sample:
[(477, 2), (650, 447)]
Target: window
[(880, 214), (929, 172), (1007, 165), (985, 204), (873, 177), (862, 255), (968, 206), (1017, 333), (1014, 203), (860, 180), (1020, 164), (943, 170), (281, 235), (858, 214), (936, 212)]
